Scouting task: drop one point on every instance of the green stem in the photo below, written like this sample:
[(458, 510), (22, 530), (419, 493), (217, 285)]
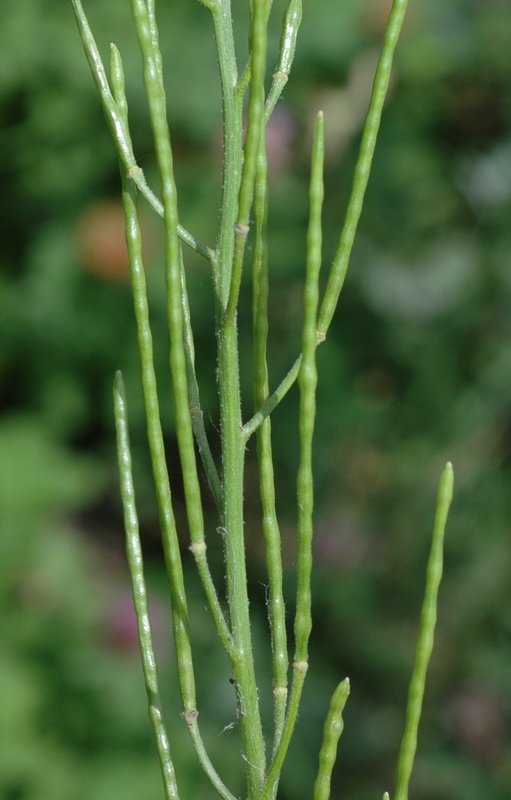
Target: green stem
[(426, 635), (195, 408), (273, 400), (136, 174), (233, 442), (273, 775), (136, 567)]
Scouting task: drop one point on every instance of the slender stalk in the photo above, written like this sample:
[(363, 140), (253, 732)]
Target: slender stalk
[(276, 605), (273, 775), (307, 381), (426, 635), (136, 566), (137, 176), (196, 414), (273, 400), (334, 725), (192, 723)]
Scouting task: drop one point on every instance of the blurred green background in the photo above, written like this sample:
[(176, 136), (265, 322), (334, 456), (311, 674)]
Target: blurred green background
[(416, 369)]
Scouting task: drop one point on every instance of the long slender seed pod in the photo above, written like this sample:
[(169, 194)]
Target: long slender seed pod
[(114, 120), (426, 635), (271, 531), (157, 449), (307, 381), (334, 725), (136, 567), (290, 26), (255, 132), (232, 112), (363, 166), (119, 129), (147, 36)]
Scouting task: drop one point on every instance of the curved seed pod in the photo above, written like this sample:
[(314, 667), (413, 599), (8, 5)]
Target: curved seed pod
[(334, 725), (426, 635)]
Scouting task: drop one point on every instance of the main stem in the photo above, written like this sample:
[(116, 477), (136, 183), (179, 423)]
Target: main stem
[(233, 440)]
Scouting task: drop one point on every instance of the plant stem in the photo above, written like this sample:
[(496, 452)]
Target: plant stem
[(426, 635), (233, 442)]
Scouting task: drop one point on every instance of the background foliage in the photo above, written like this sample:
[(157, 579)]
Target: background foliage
[(416, 369)]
